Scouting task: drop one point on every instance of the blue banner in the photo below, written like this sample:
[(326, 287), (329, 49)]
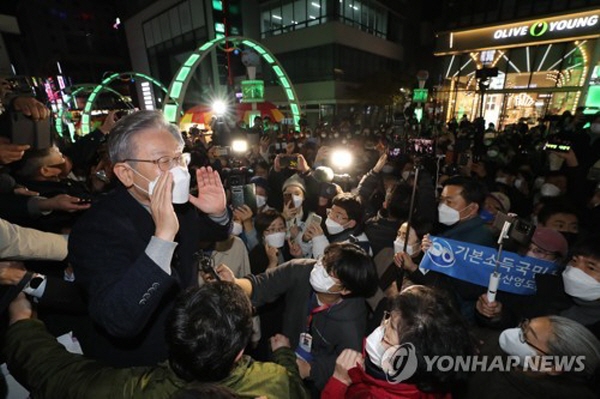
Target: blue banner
[(474, 264)]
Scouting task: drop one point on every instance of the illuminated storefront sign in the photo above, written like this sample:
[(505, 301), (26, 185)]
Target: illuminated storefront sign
[(552, 29)]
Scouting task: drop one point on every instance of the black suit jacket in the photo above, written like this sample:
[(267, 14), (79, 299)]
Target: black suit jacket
[(129, 295)]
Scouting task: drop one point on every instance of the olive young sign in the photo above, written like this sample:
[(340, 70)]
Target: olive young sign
[(552, 29)]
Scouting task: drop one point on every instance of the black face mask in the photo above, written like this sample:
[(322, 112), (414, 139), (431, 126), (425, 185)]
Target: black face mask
[(570, 237)]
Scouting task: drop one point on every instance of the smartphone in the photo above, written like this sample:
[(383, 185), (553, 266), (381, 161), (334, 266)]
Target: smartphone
[(250, 197), (24, 130), (313, 218), (221, 151), (237, 196), (560, 147), (289, 161)]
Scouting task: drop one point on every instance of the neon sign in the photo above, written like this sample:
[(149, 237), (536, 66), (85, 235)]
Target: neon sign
[(540, 28)]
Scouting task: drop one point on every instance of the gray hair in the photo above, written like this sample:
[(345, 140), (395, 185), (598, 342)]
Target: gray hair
[(120, 139), (569, 338)]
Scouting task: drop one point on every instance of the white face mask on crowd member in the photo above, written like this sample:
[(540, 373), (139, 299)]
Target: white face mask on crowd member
[(237, 228), (595, 128), (276, 240), (579, 284), (320, 280), (448, 215), (411, 250), (374, 346), (333, 227), (261, 201), (511, 342), (549, 190), (298, 200), (181, 184)]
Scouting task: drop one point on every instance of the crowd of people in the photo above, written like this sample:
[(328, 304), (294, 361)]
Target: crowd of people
[(170, 266)]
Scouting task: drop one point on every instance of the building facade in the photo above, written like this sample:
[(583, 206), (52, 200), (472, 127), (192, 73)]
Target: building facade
[(327, 47), (542, 65)]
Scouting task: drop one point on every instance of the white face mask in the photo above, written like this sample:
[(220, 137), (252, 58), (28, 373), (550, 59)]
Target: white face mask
[(501, 180), (518, 184), (448, 215), (297, 201), (411, 250), (406, 174), (579, 284), (181, 184), (549, 190), (261, 201), (510, 342), (237, 229), (275, 239), (333, 227), (555, 162), (320, 280), (595, 128), (374, 346)]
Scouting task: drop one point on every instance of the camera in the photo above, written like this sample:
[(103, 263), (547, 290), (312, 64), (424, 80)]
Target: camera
[(206, 264), (520, 230)]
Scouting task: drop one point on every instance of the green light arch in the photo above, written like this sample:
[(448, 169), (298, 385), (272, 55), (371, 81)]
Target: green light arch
[(174, 99), (85, 116), (77, 89)]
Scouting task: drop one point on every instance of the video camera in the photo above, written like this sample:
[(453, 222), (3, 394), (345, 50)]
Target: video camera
[(242, 193)]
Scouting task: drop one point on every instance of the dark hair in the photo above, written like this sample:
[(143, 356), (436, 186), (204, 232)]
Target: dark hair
[(353, 266), (553, 206), (589, 246), (472, 190), (202, 391), (351, 204), (207, 329), (421, 227), (430, 322), (264, 219), (398, 202)]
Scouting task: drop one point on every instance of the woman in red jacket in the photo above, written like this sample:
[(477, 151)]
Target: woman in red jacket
[(421, 322)]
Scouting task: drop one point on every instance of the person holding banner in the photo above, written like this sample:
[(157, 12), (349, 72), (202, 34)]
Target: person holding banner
[(461, 200), (546, 244), (575, 293)]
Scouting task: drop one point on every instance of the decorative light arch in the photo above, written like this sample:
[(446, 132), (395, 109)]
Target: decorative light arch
[(85, 116), (77, 89), (174, 99)]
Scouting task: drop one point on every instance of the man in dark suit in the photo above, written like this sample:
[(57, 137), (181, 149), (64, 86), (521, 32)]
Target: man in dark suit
[(134, 251)]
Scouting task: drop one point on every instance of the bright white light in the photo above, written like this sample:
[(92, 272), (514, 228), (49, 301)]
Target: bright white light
[(277, 16), (219, 107), (315, 5), (341, 159), (239, 145)]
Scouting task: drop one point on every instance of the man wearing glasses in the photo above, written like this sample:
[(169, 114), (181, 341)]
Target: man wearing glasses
[(134, 251)]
